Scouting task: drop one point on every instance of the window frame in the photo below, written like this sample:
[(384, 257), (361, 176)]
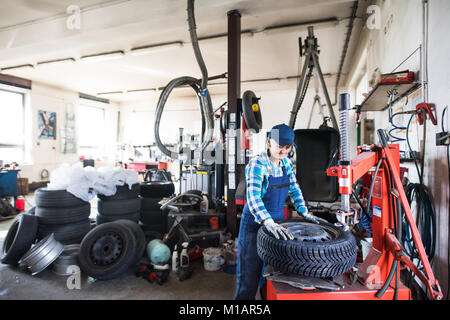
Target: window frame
[(25, 146), (90, 104)]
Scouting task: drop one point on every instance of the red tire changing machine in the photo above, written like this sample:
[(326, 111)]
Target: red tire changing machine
[(375, 276)]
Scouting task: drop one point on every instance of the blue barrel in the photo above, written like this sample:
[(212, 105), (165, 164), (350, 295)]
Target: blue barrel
[(8, 183), (158, 252)]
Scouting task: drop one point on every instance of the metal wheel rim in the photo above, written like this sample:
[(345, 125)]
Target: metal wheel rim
[(106, 249), (309, 232), (42, 254)]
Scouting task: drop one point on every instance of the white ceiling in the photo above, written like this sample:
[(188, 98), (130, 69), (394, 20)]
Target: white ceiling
[(33, 31)]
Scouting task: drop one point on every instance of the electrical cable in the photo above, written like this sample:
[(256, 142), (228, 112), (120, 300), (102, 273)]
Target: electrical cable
[(364, 221)]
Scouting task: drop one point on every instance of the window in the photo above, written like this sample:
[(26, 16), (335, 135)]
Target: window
[(12, 127), (91, 131)]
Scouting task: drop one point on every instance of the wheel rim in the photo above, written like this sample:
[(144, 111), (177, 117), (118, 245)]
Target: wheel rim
[(106, 249), (308, 232)]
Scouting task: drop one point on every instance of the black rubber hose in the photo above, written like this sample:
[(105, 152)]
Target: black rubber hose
[(372, 185), (195, 46), (202, 93), (160, 108)]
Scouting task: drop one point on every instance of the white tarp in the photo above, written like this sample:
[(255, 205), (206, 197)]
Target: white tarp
[(86, 182)]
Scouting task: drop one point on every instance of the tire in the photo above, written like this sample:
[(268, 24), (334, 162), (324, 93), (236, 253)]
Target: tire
[(253, 118), (150, 204), (151, 217), (56, 199), (63, 215), (139, 236), (118, 207), (107, 251), (157, 189), (123, 193), (65, 232), (329, 254), (19, 238), (133, 216)]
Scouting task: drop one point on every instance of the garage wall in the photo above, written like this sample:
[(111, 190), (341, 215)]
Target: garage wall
[(46, 154), (399, 35)]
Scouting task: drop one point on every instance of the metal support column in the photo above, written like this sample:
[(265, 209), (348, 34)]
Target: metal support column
[(234, 93)]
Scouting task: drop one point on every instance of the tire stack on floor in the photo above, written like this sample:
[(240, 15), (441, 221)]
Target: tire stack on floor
[(106, 252), (61, 213), (124, 204), (152, 217)]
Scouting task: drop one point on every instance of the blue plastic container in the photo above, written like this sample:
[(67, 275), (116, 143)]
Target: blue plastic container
[(8, 183)]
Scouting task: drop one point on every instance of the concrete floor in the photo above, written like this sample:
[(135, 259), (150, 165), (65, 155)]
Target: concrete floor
[(17, 283)]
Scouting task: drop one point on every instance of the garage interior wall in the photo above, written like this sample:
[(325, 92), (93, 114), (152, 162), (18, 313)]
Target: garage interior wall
[(46, 153), (400, 34)]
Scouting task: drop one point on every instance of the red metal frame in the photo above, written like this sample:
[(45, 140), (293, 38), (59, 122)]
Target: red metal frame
[(373, 272)]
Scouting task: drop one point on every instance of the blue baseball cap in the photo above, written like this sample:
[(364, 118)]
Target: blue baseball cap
[(282, 134)]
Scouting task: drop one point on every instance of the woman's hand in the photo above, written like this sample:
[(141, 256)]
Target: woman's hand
[(277, 230)]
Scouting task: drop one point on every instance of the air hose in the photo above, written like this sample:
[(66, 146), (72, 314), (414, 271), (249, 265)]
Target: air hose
[(201, 91), (426, 223)]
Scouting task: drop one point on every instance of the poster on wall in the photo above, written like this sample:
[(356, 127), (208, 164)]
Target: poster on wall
[(46, 125)]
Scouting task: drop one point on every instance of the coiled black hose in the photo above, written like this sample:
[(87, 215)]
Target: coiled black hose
[(201, 91), (426, 222)]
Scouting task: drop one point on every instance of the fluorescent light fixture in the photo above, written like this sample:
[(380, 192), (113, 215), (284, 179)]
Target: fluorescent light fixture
[(56, 61), (109, 93), (244, 34), (102, 56), (155, 48), (142, 90), (327, 22), (20, 67)]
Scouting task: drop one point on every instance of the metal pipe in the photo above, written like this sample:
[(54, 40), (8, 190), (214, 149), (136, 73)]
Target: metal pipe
[(344, 106), (345, 48)]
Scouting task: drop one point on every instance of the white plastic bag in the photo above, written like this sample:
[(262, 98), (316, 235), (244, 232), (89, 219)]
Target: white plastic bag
[(86, 182)]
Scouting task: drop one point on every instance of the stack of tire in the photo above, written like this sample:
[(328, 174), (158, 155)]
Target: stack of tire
[(124, 204), (152, 217), (63, 214)]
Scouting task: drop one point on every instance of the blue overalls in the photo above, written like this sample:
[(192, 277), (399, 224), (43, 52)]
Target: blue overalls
[(249, 266)]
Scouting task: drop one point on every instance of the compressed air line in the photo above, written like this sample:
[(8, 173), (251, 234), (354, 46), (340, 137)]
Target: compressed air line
[(201, 91)]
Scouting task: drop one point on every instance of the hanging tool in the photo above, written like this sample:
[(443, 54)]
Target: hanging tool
[(317, 101), (311, 51)]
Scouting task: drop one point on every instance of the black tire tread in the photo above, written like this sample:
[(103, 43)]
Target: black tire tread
[(118, 207), (63, 215), (306, 258), (56, 199), (20, 237), (123, 193)]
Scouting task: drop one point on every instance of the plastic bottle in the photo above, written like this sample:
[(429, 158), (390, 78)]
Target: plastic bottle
[(204, 204), (175, 259), (184, 258)]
